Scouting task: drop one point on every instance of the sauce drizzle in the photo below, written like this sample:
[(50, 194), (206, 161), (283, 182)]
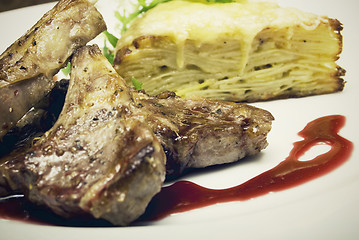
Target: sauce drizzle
[(184, 195)]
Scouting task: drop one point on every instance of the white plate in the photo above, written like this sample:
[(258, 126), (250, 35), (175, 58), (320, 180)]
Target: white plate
[(325, 208)]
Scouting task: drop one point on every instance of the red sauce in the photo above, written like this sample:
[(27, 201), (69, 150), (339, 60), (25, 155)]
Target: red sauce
[(184, 195)]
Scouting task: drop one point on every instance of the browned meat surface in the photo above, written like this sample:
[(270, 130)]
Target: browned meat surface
[(98, 159), (28, 65), (197, 133), (103, 156)]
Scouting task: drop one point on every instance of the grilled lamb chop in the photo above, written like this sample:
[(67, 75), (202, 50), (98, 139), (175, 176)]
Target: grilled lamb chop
[(97, 159), (197, 133), (28, 65)]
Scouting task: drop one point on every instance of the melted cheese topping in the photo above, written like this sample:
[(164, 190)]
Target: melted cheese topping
[(201, 22)]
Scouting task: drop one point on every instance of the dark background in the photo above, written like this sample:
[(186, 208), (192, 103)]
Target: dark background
[(6, 5)]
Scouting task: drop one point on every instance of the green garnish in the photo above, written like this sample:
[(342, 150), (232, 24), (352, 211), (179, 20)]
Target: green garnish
[(66, 70), (111, 38), (137, 84), (126, 18), (108, 53)]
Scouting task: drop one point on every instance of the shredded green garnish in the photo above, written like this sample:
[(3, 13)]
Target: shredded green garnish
[(137, 84)]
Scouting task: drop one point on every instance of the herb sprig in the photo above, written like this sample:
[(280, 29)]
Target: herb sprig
[(107, 52), (139, 8)]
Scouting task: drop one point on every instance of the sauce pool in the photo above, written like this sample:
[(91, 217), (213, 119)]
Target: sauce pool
[(184, 195)]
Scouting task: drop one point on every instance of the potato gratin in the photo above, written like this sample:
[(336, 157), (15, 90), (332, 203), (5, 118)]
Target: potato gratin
[(241, 51)]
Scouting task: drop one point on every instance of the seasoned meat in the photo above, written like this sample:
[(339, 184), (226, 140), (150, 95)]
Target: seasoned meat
[(198, 132), (28, 65), (194, 133), (241, 51), (98, 159), (105, 155)]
